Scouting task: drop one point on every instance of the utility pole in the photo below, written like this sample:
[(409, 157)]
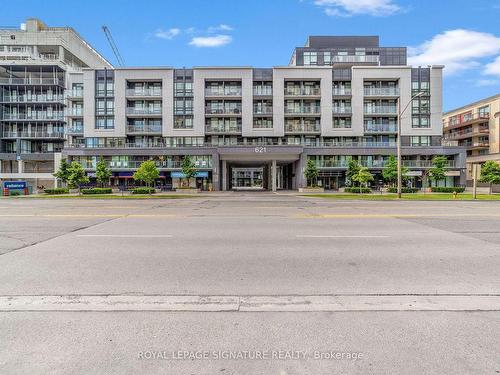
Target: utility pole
[(474, 181)]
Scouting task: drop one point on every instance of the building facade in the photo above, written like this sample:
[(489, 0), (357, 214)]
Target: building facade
[(476, 127), (255, 128)]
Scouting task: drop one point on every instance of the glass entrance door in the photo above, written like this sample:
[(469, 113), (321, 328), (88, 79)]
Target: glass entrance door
[(247, 178)]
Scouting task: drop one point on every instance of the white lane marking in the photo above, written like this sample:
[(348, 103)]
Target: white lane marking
[(127, 235), (337, 236), (283, 303)]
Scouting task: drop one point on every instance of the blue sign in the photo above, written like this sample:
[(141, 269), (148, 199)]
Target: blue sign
[(14, 185), (182, 175)]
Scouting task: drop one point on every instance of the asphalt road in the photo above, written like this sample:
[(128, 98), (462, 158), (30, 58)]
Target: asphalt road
[(100, 286)]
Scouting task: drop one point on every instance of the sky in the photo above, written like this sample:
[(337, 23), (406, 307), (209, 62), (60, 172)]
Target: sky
[(462, 35)]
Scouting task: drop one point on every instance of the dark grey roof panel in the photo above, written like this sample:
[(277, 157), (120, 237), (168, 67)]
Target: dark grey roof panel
[(326, 41)]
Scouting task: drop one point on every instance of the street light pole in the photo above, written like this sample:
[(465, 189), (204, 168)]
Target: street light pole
[(398, 140)]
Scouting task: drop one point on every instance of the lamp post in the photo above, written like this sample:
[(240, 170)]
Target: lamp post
[(398, 140)]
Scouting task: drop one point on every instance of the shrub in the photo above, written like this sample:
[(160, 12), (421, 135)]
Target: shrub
[(403, 190), (143, 190), (447, 189), (96, 191), (15, 193), (56, 191), (354, 189)]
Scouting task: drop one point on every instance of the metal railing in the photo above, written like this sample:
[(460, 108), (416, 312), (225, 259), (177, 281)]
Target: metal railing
[(266, 110), (355, 58), (32, 81), (75, 130), (263, 90), (143, 92), (74, 94), (223, 128), (74, 112), (302, 128), (381, 91), (465, 119), (33, 99), (380, 163), (302, 91)]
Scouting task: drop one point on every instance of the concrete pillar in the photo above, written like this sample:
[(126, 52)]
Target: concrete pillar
[(20, 166), (224, 175), (299, 171), (273, 175)]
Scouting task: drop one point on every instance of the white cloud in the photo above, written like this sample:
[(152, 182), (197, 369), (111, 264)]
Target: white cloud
[(457, 49), (347, 8), (167, 34), (487, 82), (211, 41), (493, 67), (218, 28)]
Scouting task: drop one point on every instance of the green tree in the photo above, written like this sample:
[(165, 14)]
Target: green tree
[(147, 172), (490, 173), (352, 169), (188, 168), (76, 176), (311, 172), (362, 176), (436, 173), (390, 172), (102, 172), (63, 171)]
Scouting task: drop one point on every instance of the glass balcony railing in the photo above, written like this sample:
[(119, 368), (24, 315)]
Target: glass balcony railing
[(380, 163), (355, 59), (54, 116), (223, 110), (33, 134), (144, 92), (143, 111), (75, 130), (302, 91), (263, 90), (381, 91), (342, 110), (226, 128), (76, 94), (144, 129), (223, 91), (341, 91), (381, 128), (31, 81), (302, 127), (305, 110), (33, 99), (384, 109), (262, 110), (74, 112)]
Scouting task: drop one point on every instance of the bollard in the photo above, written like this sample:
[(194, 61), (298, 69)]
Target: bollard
[(454, 195)]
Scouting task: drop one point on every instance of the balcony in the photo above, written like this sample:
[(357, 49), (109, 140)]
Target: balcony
[(266, 110), (342, 91), (380, 163), (143, 129), (143, 111), (263, 91), (223, 110), (304, 110), (381, 110), (381, 128), (341, 110), (74, 112), (466, 134), (74, 94), (34, 116), (223, 91), (75, 130), (302, 91), (33, 99), (151, 92), (381, 91), (223, 129), (478, 145), (355, 59), (302, 128), (32, 81), (466, 120), (33, 135)]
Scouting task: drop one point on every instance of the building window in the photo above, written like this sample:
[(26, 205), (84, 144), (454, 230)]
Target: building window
[(484, 111), (423, 140), (310, 58), (327, 58)]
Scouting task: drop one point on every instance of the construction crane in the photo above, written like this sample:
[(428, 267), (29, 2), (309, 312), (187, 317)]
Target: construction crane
[(113, 45)]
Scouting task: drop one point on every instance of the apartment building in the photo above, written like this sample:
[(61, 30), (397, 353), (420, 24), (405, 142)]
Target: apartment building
[(255, 128), (476, 127), (35, 61)]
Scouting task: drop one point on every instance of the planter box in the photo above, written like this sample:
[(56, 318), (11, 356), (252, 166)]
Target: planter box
[(311, 190), (187, 191)]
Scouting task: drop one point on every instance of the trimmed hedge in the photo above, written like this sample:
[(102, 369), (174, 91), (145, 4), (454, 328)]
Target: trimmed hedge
[(96, 190), (403, 190), (143, 190), (447, 189), (56, 191), (354, 189)]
